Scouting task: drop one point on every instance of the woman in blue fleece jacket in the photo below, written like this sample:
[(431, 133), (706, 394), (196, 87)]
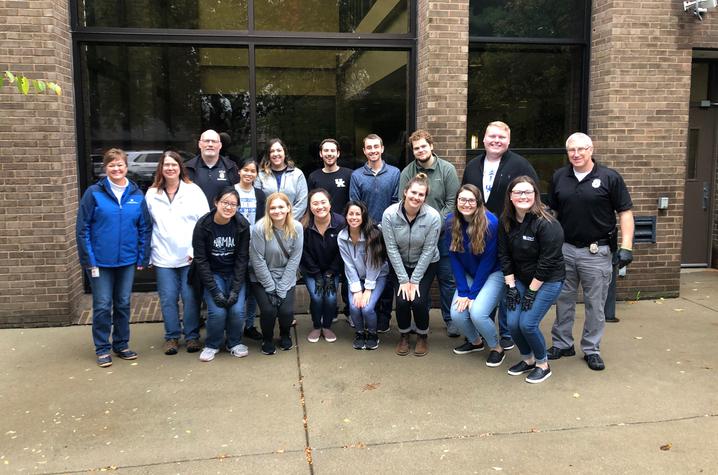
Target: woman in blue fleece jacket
[(113, 234), (472, 236)]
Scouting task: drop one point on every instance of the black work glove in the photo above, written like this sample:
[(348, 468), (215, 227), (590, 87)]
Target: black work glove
[(329, 287), (319, 285), (232, 299), (275, 299), (625, 257), (528, 299), (512, 297), (218, 296)]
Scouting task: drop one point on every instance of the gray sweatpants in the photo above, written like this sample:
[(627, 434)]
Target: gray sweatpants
[(593, 273)]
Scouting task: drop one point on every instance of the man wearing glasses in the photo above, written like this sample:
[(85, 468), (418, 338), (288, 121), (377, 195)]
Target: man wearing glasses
[(210, 171), (492, 171), (586, 197), (443, 185)]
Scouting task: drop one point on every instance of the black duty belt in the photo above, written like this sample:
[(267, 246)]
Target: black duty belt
[(599, 242)]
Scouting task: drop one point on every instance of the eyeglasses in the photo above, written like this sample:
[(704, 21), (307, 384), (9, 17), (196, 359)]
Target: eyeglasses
[(577, 150), (209, 141), (517, 194), (466, 201), (228, 205)]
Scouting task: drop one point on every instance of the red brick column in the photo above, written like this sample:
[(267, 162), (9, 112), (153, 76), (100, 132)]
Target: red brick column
[(442, 82), (39, 276)]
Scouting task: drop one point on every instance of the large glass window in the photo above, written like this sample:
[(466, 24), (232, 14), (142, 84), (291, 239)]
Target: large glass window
[(528, 68)]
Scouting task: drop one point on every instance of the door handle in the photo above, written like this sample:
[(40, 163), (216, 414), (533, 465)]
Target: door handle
[(706, 195)]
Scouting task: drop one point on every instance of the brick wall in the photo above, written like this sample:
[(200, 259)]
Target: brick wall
[(442, 65), (39, 275), (638, 117)]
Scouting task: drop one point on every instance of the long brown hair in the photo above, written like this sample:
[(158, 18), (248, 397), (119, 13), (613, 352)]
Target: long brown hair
[(265, 165), (477, 226), (159, 182), (537, 209), (374, 243)]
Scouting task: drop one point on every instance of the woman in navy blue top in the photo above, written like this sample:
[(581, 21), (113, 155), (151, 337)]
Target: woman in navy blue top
[(472, 237)]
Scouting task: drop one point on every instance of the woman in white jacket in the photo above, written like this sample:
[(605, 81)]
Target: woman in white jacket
[(277, 173), (175, 204)]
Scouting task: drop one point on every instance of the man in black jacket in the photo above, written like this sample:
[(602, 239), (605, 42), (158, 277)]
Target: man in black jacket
[(492, 171), (209, 170)]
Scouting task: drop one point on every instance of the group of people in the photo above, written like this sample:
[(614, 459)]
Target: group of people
[(239, 237)]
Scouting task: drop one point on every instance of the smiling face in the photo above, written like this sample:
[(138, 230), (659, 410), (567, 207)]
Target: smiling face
[(579, 154), (227, 206), (523, 197), (496, 141), (209, 146), (319, 205), (354, 217), (373, 150), (248, 173), (278, 211), (116, 171), (423, 150), (467, 203), (329, 154), (414, 197), (277, 156), (170, 169)]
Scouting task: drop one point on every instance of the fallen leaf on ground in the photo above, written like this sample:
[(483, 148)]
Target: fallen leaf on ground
[(677, 309), (576, 395), (638, 337), (667, 446), (370, 386)]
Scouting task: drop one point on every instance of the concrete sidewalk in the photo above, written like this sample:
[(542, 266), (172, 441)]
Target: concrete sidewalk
[(326, 408)]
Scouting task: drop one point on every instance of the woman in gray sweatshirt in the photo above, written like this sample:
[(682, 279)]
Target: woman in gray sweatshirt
[(411, 234), (274, 252)]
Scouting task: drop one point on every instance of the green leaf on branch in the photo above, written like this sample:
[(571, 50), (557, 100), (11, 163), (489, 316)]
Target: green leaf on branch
[(54, 88), (39, 85), (10, 76), (23, 85)]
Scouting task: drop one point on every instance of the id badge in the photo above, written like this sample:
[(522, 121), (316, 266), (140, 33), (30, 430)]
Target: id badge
[(95, 272), (593, 248)]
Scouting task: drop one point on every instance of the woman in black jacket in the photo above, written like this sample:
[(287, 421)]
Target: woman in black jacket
[(221, 253), (530, 241), (321, 263)]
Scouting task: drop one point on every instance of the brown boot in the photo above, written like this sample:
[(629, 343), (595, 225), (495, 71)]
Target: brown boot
[(422, 345), (402, 349), (170, 347)]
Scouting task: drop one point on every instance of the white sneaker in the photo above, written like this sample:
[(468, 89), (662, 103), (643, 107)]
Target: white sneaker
[(207, 354), (240, 351)]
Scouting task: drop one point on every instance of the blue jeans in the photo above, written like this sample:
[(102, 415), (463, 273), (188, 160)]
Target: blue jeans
[(365, 318), (220, 319), (111, 293), (476, 319), (525, 325), (445, 278), (322, 307), (171, 285)]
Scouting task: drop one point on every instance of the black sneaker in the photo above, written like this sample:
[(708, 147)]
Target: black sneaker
[(372, 341), (285, 343), (520, 368), (538, 375), (252, 333), (506, 343), (613, 320), (268, 348), (495, 358), (358, 341), (555, 353), (595, 362), (468, 347)]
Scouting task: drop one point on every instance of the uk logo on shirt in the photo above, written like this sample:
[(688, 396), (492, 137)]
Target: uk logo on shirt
[(340, 183)]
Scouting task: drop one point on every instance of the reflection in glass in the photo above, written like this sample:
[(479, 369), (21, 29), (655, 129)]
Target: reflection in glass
[(306, 95), (535, 89), (528, 18), (188, 14), (332, 16), (146, 99)]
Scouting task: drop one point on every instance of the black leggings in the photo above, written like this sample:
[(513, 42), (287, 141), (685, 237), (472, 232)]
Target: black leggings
[(269, 313), (419, 306)]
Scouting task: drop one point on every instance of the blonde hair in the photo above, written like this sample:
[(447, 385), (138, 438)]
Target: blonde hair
[(500, 125), (268, 225)]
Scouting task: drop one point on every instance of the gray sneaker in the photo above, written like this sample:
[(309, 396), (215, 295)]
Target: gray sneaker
[(452, 331)]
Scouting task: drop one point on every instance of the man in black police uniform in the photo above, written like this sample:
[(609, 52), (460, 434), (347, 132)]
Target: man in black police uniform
[(210, 171), (492, 171), (586, 197)]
